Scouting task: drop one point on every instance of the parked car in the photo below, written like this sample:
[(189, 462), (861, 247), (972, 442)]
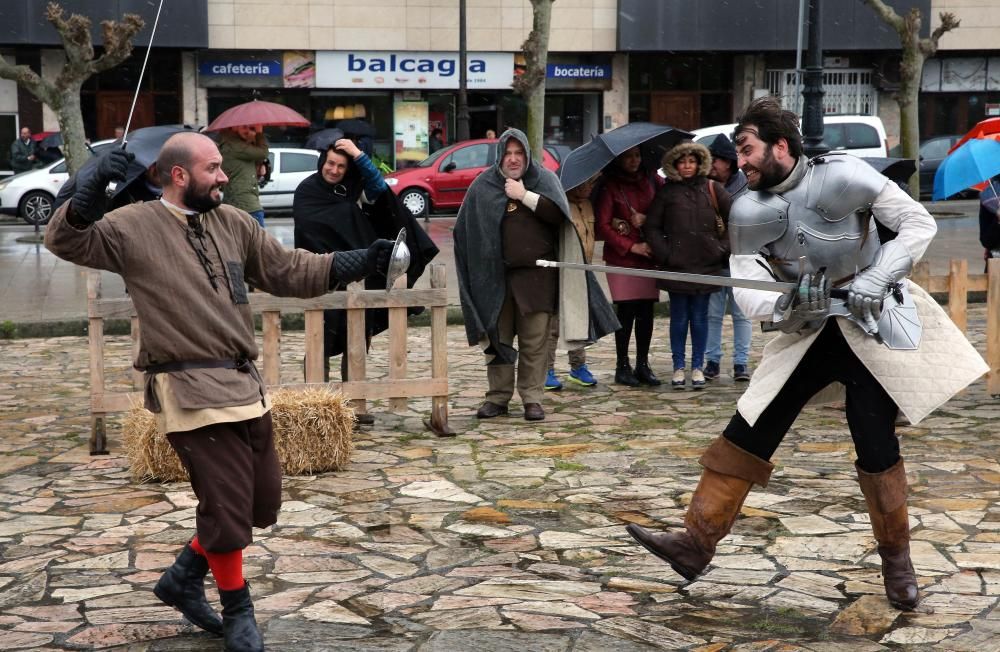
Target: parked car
[(932, 152), (289, 167), (29, 195), (860, 135), (441, 180)]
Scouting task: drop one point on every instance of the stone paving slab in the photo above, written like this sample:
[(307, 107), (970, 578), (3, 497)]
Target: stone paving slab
[(508, 537)]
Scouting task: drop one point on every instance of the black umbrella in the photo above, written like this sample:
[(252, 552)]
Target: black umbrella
[(356, 127), (89, 169), (653, 141), (898, 169), (146, 143), (51, 141), (323, 138)]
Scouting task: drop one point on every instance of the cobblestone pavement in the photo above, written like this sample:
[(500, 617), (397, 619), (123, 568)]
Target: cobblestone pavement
[(508, 537)]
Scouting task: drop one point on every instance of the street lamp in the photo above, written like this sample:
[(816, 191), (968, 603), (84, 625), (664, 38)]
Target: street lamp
[(462, 119), (812, 91)]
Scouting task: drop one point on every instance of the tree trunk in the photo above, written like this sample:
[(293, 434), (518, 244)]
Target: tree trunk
[(908, 98), (531, 85), (70, 117)]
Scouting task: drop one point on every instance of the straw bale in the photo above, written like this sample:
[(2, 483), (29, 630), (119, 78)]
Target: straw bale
[(313, 431)]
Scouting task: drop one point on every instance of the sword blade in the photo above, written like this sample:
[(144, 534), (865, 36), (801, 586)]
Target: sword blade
[(704, 279)]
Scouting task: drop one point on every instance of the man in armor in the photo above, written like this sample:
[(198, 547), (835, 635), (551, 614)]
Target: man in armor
[(810, 222)]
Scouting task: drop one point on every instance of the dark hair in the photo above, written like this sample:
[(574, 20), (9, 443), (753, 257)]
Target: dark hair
[(771, 123), (436, 131)]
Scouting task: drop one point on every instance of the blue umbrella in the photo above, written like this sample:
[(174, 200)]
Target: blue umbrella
[(974, 162)]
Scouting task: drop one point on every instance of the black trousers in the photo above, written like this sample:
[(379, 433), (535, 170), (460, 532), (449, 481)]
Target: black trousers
[(871, 412), (236, 475)]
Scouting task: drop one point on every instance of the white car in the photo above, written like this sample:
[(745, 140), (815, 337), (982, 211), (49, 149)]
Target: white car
[(289, 167), (860, 135), (30, 194)]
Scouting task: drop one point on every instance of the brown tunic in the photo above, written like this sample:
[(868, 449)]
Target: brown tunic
[(527, 236), (185, 318)]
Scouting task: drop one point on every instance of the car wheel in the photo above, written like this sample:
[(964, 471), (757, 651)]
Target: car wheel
[(415, 201), (36, 207)]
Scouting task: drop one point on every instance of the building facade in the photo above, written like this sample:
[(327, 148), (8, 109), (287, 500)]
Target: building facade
[(394, 64)]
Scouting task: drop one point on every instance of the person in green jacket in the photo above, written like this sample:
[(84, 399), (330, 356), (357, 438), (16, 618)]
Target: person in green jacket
[(22, 152), (243, 148)]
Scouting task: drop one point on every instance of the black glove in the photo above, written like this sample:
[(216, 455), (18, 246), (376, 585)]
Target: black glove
[(356, 264), (90, 199)]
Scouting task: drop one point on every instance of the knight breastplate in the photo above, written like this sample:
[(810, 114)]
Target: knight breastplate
[(823, 222)]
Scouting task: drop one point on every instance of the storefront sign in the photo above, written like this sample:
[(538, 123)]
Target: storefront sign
[(412, 70), (218, 68), (299, 68), (577, 71)]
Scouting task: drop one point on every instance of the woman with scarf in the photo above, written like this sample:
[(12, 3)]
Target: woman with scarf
[(686, 227), (346, 202), (621, 213)]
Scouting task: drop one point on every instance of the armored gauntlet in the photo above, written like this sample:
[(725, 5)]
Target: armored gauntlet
[(807, 303), (865, 294)]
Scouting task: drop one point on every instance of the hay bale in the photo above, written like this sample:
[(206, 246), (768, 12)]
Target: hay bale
[(313, 431)]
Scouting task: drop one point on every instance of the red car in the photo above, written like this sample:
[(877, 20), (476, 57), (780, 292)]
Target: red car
[(440, 181)]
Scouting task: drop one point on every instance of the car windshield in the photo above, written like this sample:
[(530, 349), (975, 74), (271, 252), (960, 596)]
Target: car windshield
[(430, 160)]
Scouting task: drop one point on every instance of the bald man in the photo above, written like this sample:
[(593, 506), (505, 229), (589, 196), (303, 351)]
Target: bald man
[(186, 260)]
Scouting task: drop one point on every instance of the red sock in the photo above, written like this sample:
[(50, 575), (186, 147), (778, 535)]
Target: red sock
[(196, 546), (227, 568)]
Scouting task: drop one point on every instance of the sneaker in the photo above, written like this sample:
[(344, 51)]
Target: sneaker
[(551, 382), (697, 379), (582, 376), (711, 370), (740, 373), (679, 379), (625, 376)]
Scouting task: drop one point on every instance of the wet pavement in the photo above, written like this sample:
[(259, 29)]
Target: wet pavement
[(509, 536)]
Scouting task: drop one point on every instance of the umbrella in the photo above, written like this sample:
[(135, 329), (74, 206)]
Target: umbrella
[(972, 163), (355, 127), (48, 139), (146, 143), (653, 140), (323, 138), (987, 129), (898, 169), (258, 112)]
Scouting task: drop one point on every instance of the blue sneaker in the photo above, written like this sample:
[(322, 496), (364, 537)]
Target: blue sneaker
[(551, 382), (582, 376)]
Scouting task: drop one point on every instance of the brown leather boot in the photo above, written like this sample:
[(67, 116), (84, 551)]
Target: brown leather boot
[(885, 495), (729, 474)]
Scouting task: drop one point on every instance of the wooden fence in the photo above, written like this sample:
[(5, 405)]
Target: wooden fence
[(957, 284), (397, 387)]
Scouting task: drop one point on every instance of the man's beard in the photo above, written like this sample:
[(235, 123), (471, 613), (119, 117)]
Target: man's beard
[(199, 198), (770, 173)]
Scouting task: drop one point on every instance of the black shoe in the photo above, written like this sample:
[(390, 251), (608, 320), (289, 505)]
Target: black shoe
[(625, 376), (489, 410), (238, 622), (365, 418), (533, 412), (645, 375), (182, 586), (740, 373), (711, 370)]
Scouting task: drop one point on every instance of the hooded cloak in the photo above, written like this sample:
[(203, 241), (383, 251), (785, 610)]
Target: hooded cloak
[(584, 311), (330, 218)]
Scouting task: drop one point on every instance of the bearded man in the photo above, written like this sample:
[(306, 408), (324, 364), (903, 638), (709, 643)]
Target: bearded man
[(809, 222), (514, 214), (186, 260)]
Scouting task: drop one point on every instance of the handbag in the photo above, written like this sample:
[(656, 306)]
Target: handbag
[(720, 226)]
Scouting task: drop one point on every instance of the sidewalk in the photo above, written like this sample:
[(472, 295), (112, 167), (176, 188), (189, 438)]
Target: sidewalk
[(35, 286), (509, 537)]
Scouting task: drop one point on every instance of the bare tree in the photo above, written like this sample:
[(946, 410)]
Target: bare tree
[(62, 94), (531, 84), (916, 50)]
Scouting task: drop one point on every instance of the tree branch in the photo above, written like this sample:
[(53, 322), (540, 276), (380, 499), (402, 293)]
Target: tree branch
[(948, 22), (889, 15), (117, 37)]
